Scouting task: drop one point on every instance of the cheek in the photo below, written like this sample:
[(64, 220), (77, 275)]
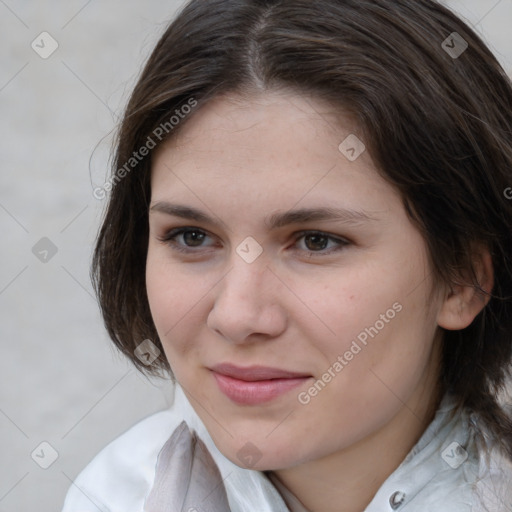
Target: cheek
[(370, 367), (175, 299), (342, 307), (374, 317)]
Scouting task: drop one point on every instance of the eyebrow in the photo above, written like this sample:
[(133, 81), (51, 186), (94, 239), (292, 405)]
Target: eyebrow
[(276, 220)]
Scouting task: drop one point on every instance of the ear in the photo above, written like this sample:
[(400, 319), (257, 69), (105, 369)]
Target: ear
[(463, 302)]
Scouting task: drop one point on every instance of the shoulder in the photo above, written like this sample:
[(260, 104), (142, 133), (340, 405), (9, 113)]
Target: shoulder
[(120, 476)]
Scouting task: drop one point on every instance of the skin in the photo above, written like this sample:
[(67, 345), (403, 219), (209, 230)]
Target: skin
[(298, 307)]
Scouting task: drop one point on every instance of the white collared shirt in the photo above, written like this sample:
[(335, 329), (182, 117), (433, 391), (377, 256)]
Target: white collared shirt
[(444, 471)]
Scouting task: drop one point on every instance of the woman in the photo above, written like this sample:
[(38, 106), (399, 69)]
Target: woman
[(308, 231)]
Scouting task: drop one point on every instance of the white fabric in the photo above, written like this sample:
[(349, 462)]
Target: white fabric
[(121, 476)]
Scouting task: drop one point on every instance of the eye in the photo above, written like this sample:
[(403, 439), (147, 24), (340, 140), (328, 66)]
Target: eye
[(185, 239), (316, 242)]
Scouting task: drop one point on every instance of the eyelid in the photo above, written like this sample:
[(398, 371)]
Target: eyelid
[(305, 232), (181, 229)]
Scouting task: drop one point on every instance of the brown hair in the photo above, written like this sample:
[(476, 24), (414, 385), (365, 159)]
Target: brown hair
[(438, 125)]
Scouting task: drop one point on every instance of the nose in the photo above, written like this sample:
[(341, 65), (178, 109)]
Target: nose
[(247, 304)]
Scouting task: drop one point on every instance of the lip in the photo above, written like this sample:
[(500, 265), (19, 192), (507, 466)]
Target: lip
[(254, 385)]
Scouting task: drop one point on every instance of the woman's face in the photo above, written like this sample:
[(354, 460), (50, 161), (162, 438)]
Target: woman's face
[(295, 308)]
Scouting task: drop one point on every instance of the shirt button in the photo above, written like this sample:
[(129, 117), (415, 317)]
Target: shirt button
[(396, 499)]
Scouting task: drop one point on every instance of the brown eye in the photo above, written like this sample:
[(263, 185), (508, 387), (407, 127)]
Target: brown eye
[(187, 240), (193, 238), (316, 242)]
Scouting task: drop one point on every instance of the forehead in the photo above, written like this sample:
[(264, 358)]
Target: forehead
[(269, 123), (271, 147)]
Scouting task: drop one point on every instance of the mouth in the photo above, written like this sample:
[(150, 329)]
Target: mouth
[(255, 384)]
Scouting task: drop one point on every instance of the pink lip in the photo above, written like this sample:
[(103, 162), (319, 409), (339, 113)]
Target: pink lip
[(255, 384)]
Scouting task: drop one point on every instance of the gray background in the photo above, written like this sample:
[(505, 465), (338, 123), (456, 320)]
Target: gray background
[(61, 381)]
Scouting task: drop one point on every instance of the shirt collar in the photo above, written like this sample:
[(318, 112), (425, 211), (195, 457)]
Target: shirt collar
[(445, 448)]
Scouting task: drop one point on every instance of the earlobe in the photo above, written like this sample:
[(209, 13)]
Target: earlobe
[(463, 302)]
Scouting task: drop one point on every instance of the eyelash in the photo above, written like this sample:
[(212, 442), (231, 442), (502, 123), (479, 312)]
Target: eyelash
[(170, 239)]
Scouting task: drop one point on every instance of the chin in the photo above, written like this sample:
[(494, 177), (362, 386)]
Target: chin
[(251, 455)]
